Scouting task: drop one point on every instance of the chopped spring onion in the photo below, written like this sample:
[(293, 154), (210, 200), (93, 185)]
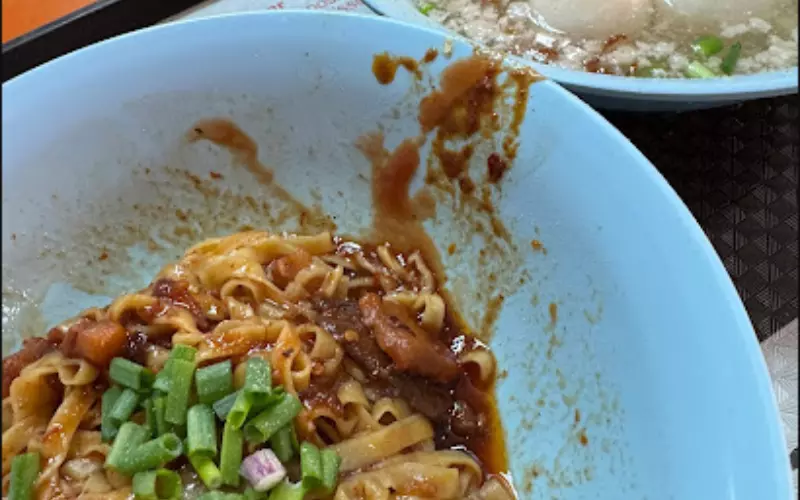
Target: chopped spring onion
[(310, 466), (124, 407), (287, 491), (221, 495), (256, 391), (731, 58), (269, 421), (183, 352), (251, 494), (214, 382), (208, 472), (295, 442), (426, 8), (157, 485), (24, 472), (699, 70), (263, 470), (150, 417), (129, 374), (274, 397), (330, 468), (178, 430), (161, 383), (223, 406), (180, 382), (651, 71), (708, 45), (129, 437), (241, 407), (152, 454), (159, 407), (164, 377), (258, 380), (281, 443), (201, 431), (108, 429), (231, 455)]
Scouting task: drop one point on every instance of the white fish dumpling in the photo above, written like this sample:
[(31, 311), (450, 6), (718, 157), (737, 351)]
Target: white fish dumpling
[(594, 18), (718, 11)]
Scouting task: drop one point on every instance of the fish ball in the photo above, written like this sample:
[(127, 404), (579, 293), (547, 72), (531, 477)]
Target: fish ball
[(596, 19), (717, 11)]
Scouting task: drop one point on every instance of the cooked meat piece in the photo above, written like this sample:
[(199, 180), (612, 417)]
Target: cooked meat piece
[(96, 342), (467, 415), (471, 395), (412, 351), (136, 347), (432, 399), (66, 340), (286, 268), (321, 392), (464, 420), (177, 292), (56, 335), (32, 349), (337, 317)]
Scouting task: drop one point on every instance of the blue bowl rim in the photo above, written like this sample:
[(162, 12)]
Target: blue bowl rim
[(767, 84)]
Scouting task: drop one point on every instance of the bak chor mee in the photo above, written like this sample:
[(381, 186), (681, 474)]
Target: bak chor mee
[(260, 366)]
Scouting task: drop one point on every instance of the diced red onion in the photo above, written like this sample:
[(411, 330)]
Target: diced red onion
[(263, 470)]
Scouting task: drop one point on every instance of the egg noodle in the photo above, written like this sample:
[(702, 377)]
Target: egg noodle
[(315, 307)]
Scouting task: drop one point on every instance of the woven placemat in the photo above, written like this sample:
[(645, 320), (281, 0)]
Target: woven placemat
[(736, 168)]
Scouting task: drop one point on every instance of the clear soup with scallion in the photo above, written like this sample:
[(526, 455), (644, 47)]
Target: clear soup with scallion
[(641, 38)]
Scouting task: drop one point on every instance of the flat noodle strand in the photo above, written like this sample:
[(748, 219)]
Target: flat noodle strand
[(256, 294), (375, 446)]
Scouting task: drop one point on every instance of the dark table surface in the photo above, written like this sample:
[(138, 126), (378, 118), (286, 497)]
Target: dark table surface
[(736, 168)]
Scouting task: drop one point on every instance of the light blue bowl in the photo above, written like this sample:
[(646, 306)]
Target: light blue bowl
[(650, 357), (635, 94)]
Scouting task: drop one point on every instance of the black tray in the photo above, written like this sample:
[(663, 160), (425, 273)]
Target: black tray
[(93, 23), (736, 169)]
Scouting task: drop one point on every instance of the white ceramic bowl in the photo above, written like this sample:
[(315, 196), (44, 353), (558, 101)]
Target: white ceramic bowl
[(651, 346), (634, 94)]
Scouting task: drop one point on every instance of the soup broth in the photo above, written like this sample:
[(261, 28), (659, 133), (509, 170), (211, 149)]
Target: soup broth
[(644, 38)]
